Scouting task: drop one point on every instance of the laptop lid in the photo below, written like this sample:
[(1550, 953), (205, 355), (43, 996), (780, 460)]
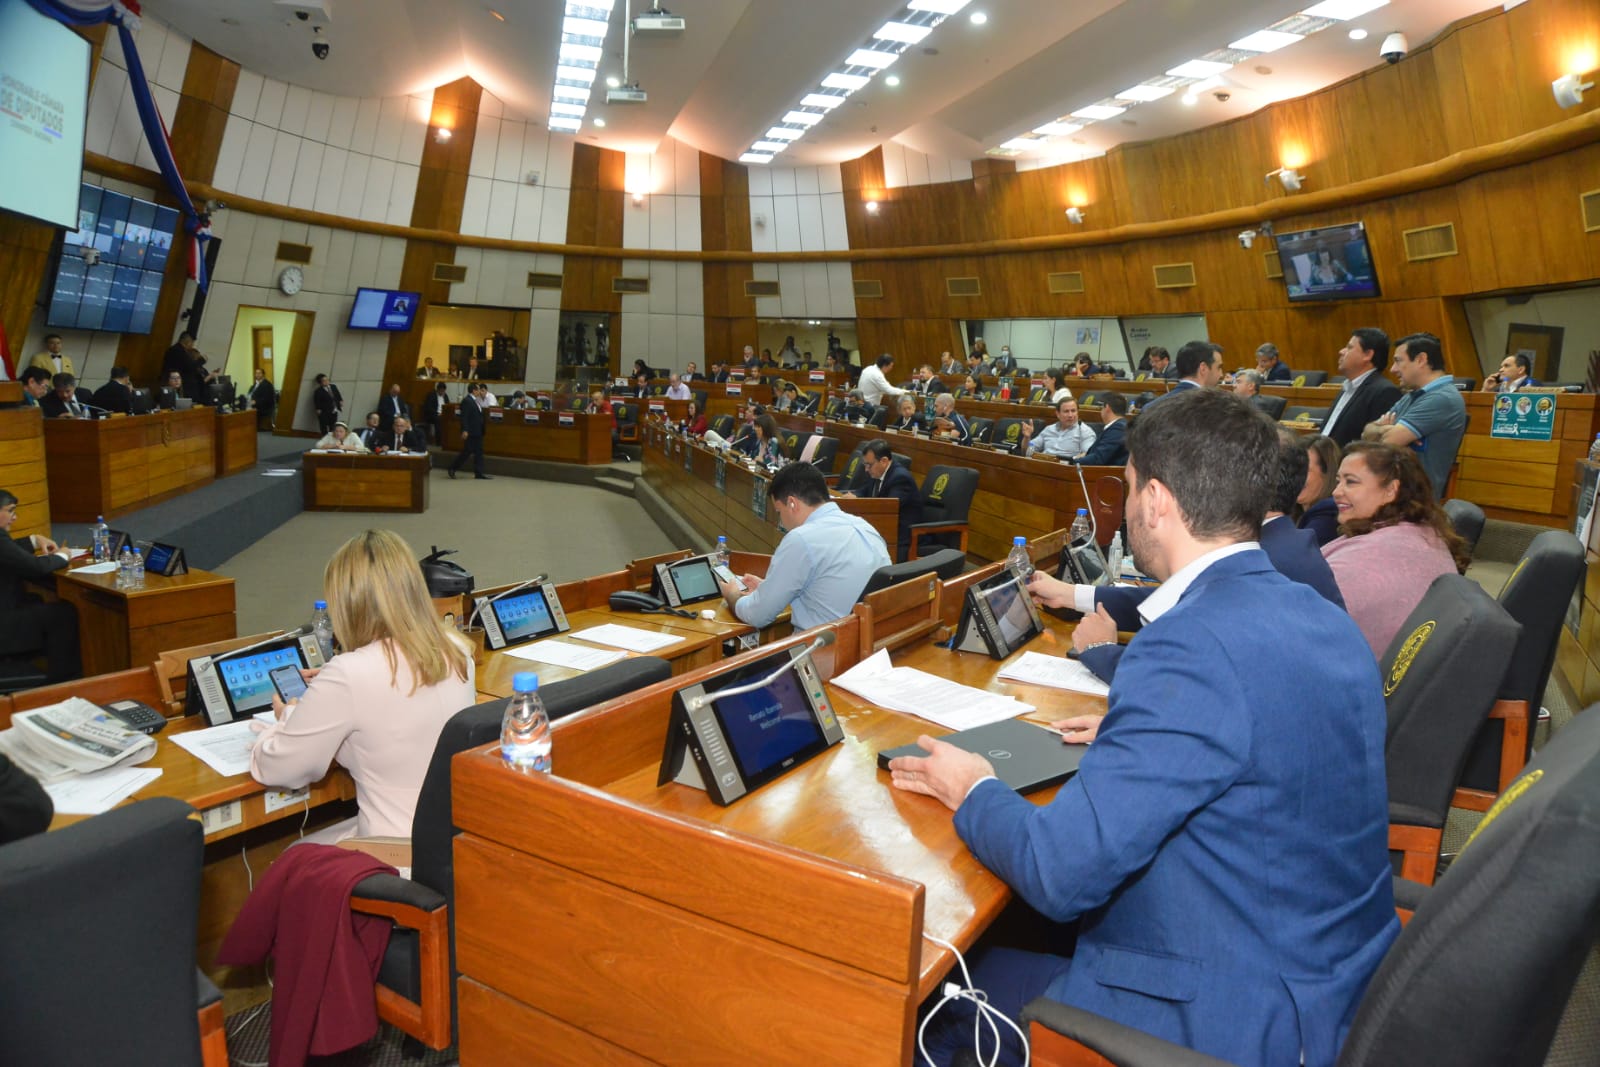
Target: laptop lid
[(1025, 756)]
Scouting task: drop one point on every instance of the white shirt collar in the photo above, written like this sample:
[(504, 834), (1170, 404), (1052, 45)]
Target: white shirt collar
[(1352, 384), (1168, 592)]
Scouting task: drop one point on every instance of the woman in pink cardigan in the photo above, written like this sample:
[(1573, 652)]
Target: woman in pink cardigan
[(1394, 539)]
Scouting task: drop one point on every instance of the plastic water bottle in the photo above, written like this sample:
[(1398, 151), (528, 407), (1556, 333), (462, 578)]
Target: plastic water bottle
[(1594, 450), (322, 628), (102, 540), (1018, 560), (720, 556), (525, 740), (125, 569), (1082, 532), (1114, 557), (136, 570)]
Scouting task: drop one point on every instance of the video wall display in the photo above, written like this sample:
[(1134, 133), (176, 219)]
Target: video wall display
[(129, 242)]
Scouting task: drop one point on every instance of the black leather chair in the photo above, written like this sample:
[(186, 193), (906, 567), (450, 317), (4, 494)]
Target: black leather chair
[(982, 431), (1482, 973), (1467, 519), (825, 454), (1007, 433), (627, 423), (1272, 405), (1309, 378), (1465, 385), (98, 922), (790, 443), (853, 475), (416, 982), (722, 425), (1537, 595), (880, 417), (1303, 413), (947, 563), (946, 499), (1440, 677)]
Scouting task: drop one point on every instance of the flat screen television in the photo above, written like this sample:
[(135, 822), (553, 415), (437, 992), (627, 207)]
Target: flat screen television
[(1330, 263), (44, 98), (383, 309)]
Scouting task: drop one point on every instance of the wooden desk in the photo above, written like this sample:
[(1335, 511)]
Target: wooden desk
[(700, 647), (10, 392), (113, 466), (352, 481), (235, 442), (784, 929), (121, 628), (537, 435)]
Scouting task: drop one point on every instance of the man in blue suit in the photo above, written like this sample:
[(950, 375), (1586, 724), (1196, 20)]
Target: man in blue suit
[(1199, 366), (1110, 449), (1224, 844), (885, 478), (1108, 609)]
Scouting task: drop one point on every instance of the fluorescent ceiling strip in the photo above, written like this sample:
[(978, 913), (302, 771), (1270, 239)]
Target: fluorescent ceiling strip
[(1098, 111), (581, 75), (868, 57), (755, 157), (1021, 144), (570, 92), (1266, 41), (580, 53), (802, 118), (1145, 93), (904, 32), (769, 146), (561, 107), (938, 7), (785, 133), (1343, 9), (826, 101), (848, 82), (1058, 129), (1198, 68), (594, 28), (561, 122)]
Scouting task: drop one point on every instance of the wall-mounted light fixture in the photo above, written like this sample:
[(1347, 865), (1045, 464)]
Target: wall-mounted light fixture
[(638, 199), (1569, 89), (1290, 178), (1075, 215), (872, 207), (442, 135)]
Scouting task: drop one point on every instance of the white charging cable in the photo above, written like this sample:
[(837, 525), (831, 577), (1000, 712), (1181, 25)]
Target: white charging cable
[(986, 1013)]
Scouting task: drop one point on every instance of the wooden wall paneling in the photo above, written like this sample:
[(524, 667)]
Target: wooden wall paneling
[(1240, 331), (22, 469), (725, 226), (1390, 220), (594, 217), (1569, 252)]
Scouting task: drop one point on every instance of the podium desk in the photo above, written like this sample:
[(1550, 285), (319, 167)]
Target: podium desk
[(113, 466), (783, 929), (235, 442), (560, 437), (354, 481), (121, 628)]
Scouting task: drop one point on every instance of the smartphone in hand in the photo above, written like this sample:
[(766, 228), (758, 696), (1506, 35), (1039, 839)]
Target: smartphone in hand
[(288, 682)]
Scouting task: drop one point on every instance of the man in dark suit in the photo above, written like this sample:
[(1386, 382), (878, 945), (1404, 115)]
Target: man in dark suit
[(28, 624), (1005, 364), (400, 437), (25, 808), (432, 409), (64, 401), (948, 423), (470, 413), (887, 478), (264, 399), (1293, 552), (1225, 839), (329, 403), (1271, 367), (391, 407), (1198, 366), (1161, 365), (719, 372), (1110, 448), (1366, 395), (117, 394)]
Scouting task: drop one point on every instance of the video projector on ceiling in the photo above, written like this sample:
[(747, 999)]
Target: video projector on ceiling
[(627, 94), (659, 22)]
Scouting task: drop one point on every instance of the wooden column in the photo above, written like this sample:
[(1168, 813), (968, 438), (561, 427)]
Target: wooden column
[(725, 226), (594, 217)]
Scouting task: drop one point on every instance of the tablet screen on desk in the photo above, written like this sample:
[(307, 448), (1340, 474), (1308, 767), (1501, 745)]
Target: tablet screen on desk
[(694, 580), (247, 678), (157, 559), (1010, 608), (770, 727), (523, 617)]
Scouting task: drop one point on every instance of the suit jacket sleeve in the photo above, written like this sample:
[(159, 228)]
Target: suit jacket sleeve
[(25, 808), (16, 556), (1103, 661), (1123, 601), (1177, 736), (1107, 448)]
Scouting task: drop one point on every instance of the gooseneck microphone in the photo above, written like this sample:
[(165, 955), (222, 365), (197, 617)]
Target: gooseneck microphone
[(822, 640)]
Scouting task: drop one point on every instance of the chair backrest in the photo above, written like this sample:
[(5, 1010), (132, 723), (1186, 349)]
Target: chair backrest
[(1007, 433), (947, 563), (1537, 595), (1305, 413), (879, 416), (1465, 385), (1272, 405), (1310, 377), (947, 493), (791, 442), (982, 430), (83, 984), (579, 403), (625, 413), (854, 473), (1039, 394), (700, 401), (1468, 520), (899, 614), (1441, 674), (823, 456), (1336, 379), (1482, 973), (722, 425)]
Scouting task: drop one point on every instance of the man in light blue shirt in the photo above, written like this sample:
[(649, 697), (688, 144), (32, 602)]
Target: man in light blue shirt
[(1430, 419), (1067, 438), (822, 563)]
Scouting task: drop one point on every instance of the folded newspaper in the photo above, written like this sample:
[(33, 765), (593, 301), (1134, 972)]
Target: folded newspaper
[(73, 736)]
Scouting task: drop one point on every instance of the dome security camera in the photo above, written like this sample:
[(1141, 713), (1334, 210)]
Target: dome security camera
[(1394, 48), (302, 15), (1247, 238), (1223, 96), (319, 49)]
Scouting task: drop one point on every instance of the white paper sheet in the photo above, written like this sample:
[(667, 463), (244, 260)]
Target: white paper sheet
[(565, 654), (225, 749), (628, 637), (91, 794), (1058, 672), (927, 696), (97, 568)]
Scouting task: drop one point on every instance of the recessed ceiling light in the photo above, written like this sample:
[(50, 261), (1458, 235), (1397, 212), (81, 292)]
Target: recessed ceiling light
[(825, 101), (892, 80), (1358, 34), (769, 146), (1198, 68), (1098, 111), (581, 53), (802, 118), (867, 57), (1057, 129), (1146, 92), (942, 7), (756, 157), (614, 82), (598, 121), (902, 31), (1266, 41), (562, 122), (785, 133), (978, 18), (497, 14), (1343, 9), (847, 82), (1189, 99)]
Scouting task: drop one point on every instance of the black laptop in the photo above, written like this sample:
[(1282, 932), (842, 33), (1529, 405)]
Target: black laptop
[(1025, 755)]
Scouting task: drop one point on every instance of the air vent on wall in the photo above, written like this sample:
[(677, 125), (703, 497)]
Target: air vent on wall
[(1065, 281), (449, 272), (630, 285), (1174, 275), (537, 280), (761, 289), (1274, 264), (289, 252), (1430, 242), (962, 287), (1590, 202), (868, 288)]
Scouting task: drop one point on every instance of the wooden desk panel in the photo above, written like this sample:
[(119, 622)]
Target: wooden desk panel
[(537, 435), (121, 628), (346, 481), (112, 466), (700, 647), (235, 442)]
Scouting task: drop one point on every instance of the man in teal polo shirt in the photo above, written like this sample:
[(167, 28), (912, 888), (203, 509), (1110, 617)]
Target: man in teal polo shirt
[(1431, 417)]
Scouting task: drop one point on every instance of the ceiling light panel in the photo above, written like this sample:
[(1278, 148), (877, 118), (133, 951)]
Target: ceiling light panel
[(903, 32), (1266, 41), (869, 57), (1146, 93), (579, 75), (581, 27), (1098, 112), (1058, 129), (769, 146), (582, 47), (785, 133), (938, 7), (570, 92), (1343, 9), (848, 82), (1198, 68), (756, 157), (802, 118), (826, 101)]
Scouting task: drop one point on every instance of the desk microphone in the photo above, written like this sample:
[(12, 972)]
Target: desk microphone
[(298, 631), (822, 640), (477, 608)]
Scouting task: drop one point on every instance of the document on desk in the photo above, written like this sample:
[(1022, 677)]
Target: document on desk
[(1058, 672), (97, 568), (92, 794), (629, 637), (927, 696), (565, 654), (225, 749)]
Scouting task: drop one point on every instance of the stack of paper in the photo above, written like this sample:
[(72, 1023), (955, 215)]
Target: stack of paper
[(629, 637), (1058, 672), (225, 749), (927, 696), (565, 654), (92, 794)]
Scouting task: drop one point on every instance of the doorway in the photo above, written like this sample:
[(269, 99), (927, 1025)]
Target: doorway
[(275, 342)]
